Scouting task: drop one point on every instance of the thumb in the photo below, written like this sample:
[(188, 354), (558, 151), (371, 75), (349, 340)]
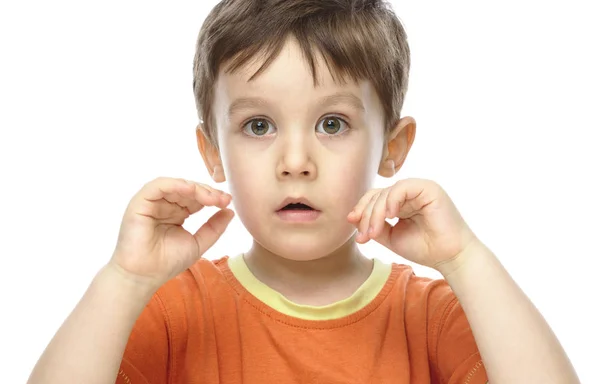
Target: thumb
[(384, 237), (209, 232)]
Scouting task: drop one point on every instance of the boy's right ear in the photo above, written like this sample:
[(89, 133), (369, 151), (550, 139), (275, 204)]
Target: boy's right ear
[(210, 155)]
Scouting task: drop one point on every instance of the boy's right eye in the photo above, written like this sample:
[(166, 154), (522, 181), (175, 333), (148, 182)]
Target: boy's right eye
[(258, 127)]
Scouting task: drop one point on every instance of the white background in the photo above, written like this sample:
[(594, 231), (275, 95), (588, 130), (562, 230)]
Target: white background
[(96, 99)]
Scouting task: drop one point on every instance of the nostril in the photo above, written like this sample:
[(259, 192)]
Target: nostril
[(303, 173)]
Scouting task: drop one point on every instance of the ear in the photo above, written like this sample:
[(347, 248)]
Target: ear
[(210, 155), (398, 143)]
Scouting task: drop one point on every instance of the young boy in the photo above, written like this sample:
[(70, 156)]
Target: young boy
[(300, 106)]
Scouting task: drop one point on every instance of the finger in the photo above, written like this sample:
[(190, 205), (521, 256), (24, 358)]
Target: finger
[(195, 196), (164, 212), (185, 193), (207, 187), (404, 199), (184, 196), (378, 215), (356, 213), (363, 226), (157, 188), (209, 232), (174, 200), (210, 196), (178, 200)]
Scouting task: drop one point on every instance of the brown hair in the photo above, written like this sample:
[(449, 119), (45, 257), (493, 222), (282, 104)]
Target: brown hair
[(361, 39)]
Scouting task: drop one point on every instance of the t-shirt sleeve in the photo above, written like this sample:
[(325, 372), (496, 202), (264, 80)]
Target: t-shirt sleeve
[(145, 358), (453, 350)]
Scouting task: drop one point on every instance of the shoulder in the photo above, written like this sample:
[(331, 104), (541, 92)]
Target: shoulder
[(423, 299), (418, 288), (201, 271), (192, 285)]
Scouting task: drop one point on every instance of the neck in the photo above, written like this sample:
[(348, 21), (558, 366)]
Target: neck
[(326, 279)]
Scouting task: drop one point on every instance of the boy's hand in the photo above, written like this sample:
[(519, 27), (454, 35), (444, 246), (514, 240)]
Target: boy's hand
[(153, 247), (430, 230)]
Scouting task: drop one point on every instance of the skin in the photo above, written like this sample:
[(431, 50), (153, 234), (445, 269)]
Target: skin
[(299, 154)]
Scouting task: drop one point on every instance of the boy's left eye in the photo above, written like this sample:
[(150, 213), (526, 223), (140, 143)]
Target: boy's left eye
[(332, 125)]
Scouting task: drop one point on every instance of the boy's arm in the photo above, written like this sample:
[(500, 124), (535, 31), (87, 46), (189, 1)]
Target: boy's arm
[(515, 342), (89, 346)]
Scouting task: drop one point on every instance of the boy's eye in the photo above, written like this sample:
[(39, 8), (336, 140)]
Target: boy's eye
[(332, 125), (257, 127)]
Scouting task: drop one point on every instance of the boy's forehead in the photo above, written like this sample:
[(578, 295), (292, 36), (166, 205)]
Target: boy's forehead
[(289, 66), (289, 75)]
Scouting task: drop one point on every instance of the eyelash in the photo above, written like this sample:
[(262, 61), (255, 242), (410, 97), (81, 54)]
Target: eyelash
[(331, 136)]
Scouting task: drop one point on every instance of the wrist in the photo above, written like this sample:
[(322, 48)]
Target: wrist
[(138, 288), (474, 250)]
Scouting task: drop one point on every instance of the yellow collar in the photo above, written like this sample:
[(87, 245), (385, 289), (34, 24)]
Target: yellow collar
[(358, 300)]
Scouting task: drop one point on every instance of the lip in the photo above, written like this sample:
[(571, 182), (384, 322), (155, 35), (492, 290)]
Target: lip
[(298, 215), (296, 200)]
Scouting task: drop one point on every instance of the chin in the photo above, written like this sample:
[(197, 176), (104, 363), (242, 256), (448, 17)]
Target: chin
[(301, 246)]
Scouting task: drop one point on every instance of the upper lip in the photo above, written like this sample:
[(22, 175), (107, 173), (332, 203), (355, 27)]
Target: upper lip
[(296, 200)]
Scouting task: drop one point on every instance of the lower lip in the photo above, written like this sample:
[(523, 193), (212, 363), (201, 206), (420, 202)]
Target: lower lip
[(299, 215)]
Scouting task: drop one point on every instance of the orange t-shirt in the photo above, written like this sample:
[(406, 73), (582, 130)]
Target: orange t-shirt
[(217, 323)]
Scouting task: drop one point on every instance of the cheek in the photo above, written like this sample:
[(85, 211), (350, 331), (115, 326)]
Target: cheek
[(353, 175), (352, 182), (247, 175), (243, 175)]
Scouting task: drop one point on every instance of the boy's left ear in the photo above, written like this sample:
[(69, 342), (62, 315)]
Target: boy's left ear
[(398, 143)]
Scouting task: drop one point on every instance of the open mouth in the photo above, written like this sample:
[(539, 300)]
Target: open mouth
[(298, 211), (297, 207)]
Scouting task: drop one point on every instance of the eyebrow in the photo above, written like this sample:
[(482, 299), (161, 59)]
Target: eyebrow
[(343, 98), (337, 98)]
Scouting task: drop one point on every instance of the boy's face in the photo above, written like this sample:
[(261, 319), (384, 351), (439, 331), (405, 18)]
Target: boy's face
[(280, 137)]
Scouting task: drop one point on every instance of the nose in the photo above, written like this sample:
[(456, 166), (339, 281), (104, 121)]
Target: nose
[(296, 160)]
